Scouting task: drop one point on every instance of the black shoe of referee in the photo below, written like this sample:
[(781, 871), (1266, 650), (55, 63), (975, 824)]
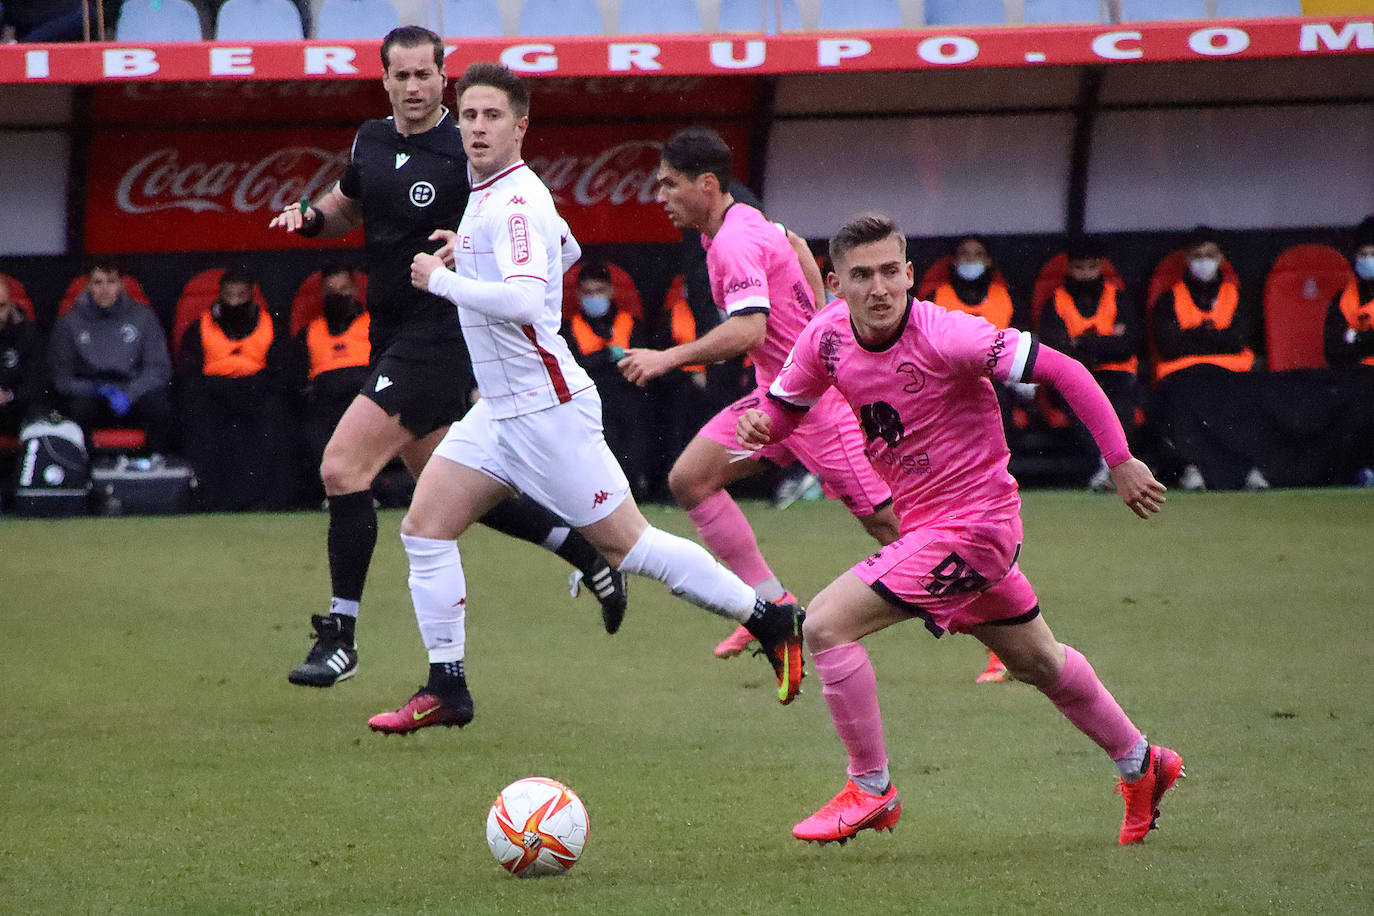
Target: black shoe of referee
[(608, 585), (333, 657)]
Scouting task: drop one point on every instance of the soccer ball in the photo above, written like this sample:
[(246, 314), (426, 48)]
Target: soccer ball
[(537, 827)]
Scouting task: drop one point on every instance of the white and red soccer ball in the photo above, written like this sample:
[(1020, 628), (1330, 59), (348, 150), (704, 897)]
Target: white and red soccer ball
[(537, 827)]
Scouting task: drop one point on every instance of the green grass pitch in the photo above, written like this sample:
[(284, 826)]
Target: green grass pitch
[(153, 758)]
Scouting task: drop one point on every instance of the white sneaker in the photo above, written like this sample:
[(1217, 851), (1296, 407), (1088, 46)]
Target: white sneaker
[(1101, 481), (1255, 480), (1191, 480)]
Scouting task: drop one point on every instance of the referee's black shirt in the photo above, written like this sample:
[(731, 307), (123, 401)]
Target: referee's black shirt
[(407, 186)]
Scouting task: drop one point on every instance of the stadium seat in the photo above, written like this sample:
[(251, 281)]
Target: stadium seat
[(355, 19), (965, 12), (308, 303), (469, 19), (1300, 286), (258, 20), (1043, 11), (1146, 10), (1052, 274), (158, 20), (759, 16), (862, 14), (623, 291), (19, 296), (196, 298), (78, 286), (560, 17), (665, 17), (1243, 9)]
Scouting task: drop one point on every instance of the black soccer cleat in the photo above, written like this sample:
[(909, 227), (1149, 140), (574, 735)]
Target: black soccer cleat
[(608, 585), (778, 628), (331, 659)]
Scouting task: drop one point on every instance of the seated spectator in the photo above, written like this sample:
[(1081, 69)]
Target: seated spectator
[(1349, 346), (1202, 332), (21, 371), (975, 286), (599, 333), (46, 20), (108, 363), (1094, 322), (332, 354), (232, 365)]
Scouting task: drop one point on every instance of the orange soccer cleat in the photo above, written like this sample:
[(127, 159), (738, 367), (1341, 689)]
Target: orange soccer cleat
[(1142, 796)]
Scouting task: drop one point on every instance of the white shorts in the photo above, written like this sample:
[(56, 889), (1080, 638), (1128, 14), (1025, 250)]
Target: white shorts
[(557, 456)]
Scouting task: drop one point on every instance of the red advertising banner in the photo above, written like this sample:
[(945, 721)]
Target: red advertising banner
[(203, 190), (352, 101), (700, 55)]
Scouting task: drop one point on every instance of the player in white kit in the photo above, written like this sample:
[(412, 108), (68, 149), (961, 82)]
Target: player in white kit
[(537, 429)]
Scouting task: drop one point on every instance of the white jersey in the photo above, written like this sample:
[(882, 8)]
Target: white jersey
[(511, 230)]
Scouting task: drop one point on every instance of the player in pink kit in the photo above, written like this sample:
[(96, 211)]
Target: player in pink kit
[(920, 380), (758, 281)]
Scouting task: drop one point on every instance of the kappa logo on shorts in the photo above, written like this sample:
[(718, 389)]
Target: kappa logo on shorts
[(600, 497), (383, 383), (422, 193)]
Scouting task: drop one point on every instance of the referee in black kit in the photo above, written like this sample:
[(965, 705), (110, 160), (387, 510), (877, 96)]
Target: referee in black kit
[(406, 178)]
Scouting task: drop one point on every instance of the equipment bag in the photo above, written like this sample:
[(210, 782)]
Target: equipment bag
[(54, 472)]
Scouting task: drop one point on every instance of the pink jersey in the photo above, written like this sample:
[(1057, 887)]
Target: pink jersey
[(926, 405), (754, 269)]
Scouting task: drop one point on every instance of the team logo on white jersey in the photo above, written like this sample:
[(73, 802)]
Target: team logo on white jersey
[(383, 383), (402, 159), (422, 193)]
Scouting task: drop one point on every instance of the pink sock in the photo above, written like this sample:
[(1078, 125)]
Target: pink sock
[(1080, 696), (727, 534), (851, 691)]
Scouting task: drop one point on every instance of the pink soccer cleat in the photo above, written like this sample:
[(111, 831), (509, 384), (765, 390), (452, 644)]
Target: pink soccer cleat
[(848, 813), (735, 643), (422, 711), (995, 673), (1142, 796)]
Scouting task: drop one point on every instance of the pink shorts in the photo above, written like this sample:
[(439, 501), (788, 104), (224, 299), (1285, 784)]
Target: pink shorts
[(828, 443), (954, 577)]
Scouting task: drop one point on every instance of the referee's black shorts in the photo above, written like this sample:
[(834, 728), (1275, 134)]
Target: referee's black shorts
[(423, 383)]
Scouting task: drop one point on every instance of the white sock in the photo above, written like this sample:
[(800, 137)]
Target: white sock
[(557, 535), (873, 783), (690, 572), (1132, 766), (439, 592), (770, 589), (344, 607)]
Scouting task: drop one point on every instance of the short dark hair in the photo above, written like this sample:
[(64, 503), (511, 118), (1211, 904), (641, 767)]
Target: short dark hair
[(1083, 247), (496, 76), (103, 264), (332, 269), (971, 237), (235, 275), (412, 36), (697, 151), (864, 229), (595, 270), (1201, 235)]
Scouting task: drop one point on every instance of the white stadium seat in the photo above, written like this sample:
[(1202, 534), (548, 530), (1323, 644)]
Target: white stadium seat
[(1038, 11), (560, 17), (965, 12), (861, 14), (158, 20), (469, 19), (258, 20), (356, 19), (659, 16), (759, 16)]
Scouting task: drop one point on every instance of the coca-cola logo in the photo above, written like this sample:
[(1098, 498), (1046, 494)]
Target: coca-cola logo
[(160, 181), (625, 173)]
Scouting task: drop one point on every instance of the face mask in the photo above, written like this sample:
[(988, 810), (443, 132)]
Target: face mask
[(1205, 269), (1364, 266), (337, 306), (970, 270), (595, 306)]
